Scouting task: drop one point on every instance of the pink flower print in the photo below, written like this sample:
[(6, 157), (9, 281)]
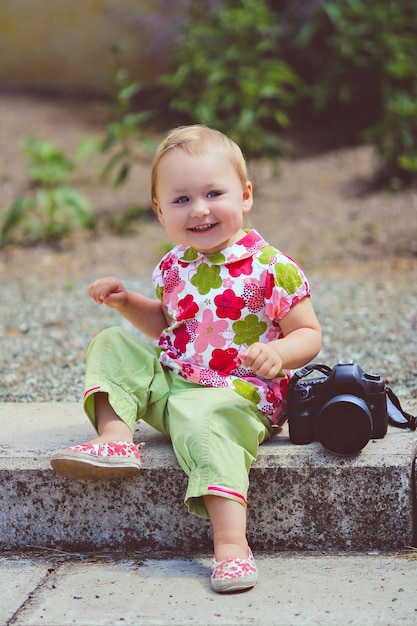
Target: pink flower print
[(251, 240), (192, 326), (269, 284), (209, 332), (244, 266), (283, 385), (272, 333), (229, 305), (197, 358), (211, 378), (187, 308), (270, 397), (224, 361), (186, 370), (253, 295), (182, 338), (273, 307), (279, 306), (228, 283), (173, 285), (167, 263), (165, 342)]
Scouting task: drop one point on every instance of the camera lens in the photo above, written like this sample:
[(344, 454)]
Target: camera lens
[(344, 425)]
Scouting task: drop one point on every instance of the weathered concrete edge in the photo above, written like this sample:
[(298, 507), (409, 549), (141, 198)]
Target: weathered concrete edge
[(301, 497)]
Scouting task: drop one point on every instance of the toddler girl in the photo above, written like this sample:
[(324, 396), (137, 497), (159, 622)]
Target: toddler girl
[(232, 316)]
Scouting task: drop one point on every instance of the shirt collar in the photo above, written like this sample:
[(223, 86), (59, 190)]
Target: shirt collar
[(240, 250)]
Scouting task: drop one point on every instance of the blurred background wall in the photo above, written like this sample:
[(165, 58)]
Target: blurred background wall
[(65, 45)]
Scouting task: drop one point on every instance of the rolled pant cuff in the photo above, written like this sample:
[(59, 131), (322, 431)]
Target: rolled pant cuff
[(218, 490), (194, 498)]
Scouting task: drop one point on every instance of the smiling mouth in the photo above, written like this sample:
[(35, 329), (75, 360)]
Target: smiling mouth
[(203, 228)]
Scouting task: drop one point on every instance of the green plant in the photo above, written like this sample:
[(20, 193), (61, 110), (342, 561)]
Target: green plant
[(124, 138), (53, 208), (229, 73), (367, 69)]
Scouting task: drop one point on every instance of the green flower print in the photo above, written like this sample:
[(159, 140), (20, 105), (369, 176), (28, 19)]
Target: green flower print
[(159, 292), (247, 390), (288, 277), (190, 254), (267, 254), (248, 330), (207, 277), (217, 258)]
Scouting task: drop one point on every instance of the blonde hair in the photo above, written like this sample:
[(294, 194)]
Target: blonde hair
[(196, 140)]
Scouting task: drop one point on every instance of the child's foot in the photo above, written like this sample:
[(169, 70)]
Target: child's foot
[(98, 461), (234, 574)]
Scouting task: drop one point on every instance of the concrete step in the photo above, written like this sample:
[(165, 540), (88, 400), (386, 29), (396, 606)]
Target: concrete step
[(294, 589), (301, 497)]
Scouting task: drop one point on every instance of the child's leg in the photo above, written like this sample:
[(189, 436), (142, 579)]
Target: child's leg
[(228, 519), (110, 427), (124, 382), (215, 434), (233, 567)]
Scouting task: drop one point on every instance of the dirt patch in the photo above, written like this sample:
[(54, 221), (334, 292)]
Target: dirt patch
[(315, 209)]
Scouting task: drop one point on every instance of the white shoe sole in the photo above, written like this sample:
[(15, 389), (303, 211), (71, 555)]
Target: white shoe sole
[(82, 466)]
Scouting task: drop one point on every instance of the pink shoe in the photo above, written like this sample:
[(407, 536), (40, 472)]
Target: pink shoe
[(98, 461), (234, 574)]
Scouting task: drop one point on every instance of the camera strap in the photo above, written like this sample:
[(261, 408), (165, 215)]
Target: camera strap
[(305, 371), (396, 414)]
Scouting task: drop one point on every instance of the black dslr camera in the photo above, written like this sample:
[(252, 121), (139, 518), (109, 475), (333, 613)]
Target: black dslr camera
[(342, 409)]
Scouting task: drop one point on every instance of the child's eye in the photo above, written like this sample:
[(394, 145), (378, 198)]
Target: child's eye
[(213, 194), (181, 200)]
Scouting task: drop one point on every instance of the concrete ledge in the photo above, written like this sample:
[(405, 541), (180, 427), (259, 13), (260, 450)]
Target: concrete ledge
[(301, 497)]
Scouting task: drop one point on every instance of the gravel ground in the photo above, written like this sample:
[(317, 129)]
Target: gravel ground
[(368, 314), (358, 249)]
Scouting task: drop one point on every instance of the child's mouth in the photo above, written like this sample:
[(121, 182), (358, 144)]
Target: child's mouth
[(203, 228)]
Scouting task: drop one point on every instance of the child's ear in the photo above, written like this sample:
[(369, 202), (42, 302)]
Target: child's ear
[(247, 196), (158, 211)]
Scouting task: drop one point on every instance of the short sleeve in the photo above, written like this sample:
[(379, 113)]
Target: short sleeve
[(286, 284)]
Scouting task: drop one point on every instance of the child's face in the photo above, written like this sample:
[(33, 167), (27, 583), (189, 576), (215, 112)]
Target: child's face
[(201, 200)]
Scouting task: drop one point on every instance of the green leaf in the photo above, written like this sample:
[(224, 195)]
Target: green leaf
[(13, 217), (112, 162), (333, 10), (122, 174), (409, 164), (80, 206), (126, 93), (305, 34), (88, 146)]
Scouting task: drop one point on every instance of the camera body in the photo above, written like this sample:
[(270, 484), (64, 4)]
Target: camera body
[(342, 409)]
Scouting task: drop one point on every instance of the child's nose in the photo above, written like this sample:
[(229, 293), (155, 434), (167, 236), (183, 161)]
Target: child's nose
[(200, 208)]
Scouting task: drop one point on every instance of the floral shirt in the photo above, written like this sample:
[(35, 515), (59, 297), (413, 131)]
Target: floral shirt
[(220, 304)]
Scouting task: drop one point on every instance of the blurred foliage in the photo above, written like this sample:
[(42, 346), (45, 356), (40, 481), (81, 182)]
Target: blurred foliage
[(253, 67), (125, 141), (229, 73), (53, 208), (360, 61)]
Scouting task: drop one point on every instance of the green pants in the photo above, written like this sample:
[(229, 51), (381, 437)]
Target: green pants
[(215, 432)]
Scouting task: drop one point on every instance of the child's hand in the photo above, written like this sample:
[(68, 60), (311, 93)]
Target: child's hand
[(263, 359), (109, 291)]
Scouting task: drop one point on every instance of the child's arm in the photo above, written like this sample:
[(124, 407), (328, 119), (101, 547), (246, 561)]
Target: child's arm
[(300, 344), (147, 314)]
